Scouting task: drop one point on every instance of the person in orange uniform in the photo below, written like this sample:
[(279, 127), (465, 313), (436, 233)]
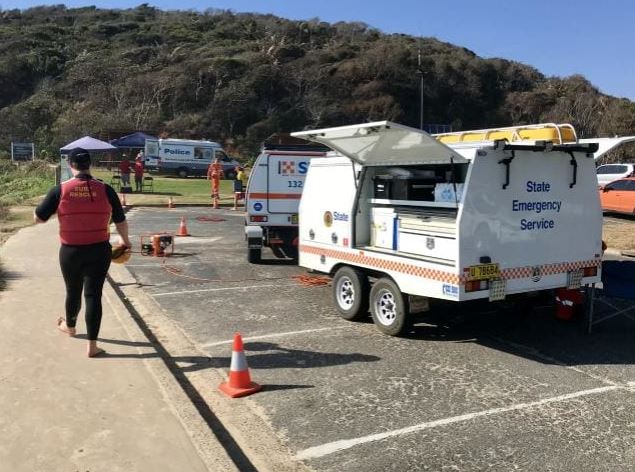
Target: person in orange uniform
[(84, 208), (214, 173)]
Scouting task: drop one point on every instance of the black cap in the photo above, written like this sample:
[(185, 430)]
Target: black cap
[(80, 157)]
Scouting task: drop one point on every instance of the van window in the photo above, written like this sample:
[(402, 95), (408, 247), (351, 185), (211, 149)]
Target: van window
[(202, 153), (220, 154), (152, 148)]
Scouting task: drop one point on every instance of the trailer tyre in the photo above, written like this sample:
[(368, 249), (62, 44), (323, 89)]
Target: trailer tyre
[(389, 307), (350, 293), (254, 255)]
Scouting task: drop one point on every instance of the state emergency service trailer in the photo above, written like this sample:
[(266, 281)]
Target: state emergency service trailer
[(273, 196), (398, 218)]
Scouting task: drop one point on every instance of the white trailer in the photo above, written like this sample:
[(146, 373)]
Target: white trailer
[(273, 196), (398, 218)]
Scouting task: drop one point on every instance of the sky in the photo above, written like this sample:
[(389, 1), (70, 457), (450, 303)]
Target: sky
[(560, 38)]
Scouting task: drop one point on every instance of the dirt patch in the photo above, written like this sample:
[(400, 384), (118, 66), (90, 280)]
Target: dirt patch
[(619, 232), (14, 218)]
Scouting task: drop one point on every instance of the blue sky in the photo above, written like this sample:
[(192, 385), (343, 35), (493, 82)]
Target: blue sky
[(588, 37)]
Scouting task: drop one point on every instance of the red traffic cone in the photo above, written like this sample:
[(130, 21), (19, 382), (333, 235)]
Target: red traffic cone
[(170, 203), (182, 228), (240, 384)]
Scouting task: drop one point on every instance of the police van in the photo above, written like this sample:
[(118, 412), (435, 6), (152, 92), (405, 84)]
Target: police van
[(184, 157), (397, 217), (273, 194)]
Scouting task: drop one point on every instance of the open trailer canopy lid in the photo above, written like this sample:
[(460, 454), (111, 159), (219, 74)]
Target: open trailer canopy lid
[(384, 143)]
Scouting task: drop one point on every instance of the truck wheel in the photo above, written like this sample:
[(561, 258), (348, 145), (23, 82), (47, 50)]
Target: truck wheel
[(229, 175), (181, 172), (253, 255), (350, 293), (389, 307)]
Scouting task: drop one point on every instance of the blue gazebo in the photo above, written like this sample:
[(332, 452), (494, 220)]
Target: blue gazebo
[(132, 141)]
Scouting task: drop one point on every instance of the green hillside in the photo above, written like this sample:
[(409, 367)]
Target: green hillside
[(237, 78)]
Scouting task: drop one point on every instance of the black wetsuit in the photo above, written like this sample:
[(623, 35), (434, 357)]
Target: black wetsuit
[(84, 267)]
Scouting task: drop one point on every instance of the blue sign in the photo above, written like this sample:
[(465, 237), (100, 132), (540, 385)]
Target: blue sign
[(257, 206)]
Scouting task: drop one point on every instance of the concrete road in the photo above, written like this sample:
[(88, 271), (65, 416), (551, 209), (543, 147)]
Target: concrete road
[(464, 390)]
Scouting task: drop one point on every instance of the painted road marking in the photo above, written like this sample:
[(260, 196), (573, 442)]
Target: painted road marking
[(275, 335), (159, 263), (162, 294), (335, 446)]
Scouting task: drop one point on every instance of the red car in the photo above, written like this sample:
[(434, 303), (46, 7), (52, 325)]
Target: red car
[(619, 196)]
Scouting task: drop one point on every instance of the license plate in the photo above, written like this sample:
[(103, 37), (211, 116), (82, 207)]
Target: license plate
[(294, 219), (484, 271)]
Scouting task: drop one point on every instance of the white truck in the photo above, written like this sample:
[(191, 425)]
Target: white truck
[(184, 157), (273, 195), (397, 218)]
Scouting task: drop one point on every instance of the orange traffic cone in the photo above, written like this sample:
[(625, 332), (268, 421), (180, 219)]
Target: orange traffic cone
[(240, 383), (123, 200), (170, 203), (182, 228)]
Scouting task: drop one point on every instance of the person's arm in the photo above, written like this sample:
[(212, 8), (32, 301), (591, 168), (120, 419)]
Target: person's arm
[(122, 229), (48, 206), (118, 216)]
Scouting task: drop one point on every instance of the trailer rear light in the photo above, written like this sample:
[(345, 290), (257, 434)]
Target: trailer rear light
[(257, 218), (590, 271), (476, 285)]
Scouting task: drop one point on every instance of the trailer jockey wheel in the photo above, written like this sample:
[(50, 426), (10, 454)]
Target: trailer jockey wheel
[(350, 293), (389, 307)]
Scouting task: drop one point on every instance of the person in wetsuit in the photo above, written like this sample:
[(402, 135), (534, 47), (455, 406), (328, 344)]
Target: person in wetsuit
[(84, 208)]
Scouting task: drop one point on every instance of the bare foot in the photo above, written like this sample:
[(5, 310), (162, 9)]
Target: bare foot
[(93, 350), (96, 352), (61, 325)]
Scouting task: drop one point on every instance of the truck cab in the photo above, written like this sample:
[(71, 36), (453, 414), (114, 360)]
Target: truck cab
[(273, 194)]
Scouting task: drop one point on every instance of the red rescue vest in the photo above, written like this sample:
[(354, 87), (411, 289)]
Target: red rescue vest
[(84, 212)]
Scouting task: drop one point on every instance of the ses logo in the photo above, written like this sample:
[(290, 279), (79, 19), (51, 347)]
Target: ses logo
[(293, 167)]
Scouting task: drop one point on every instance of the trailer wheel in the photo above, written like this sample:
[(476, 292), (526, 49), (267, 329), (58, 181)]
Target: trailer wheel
[(389, 307), (254, 255), (350, 293)]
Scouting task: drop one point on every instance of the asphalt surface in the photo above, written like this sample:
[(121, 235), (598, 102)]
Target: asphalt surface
[(467, 389)]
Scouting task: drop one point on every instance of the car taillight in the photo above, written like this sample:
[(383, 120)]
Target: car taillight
[(257, 218)]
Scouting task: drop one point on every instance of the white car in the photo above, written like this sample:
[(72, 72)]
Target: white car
[(610, 172)]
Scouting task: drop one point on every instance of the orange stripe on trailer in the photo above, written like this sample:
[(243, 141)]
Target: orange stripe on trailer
[(276, 196), (375, 262), (546, 269), (447, 277)]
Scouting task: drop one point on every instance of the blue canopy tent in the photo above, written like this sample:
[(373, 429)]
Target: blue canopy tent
[(132, 141)]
